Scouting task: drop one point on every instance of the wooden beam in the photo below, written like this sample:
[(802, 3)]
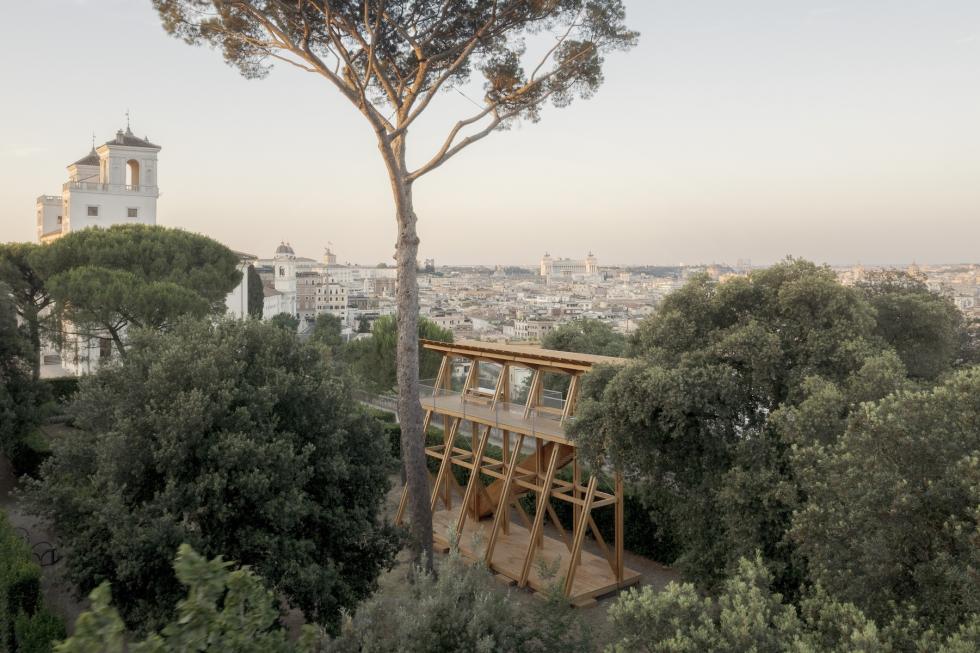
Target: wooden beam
[(561, 529), (444, 465), (576, 478), (539, 517), (531, 391), (469, 376), (402, 502), (502, 514), (619, 527), (473, 481), (499, 390), (522, 514), (580, 536), (441, 375), (601, 541), (570, 399)]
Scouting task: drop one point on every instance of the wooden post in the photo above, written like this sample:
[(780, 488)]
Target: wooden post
[(570, 399), (619, 527), (473, 481), (576, 478), (447, 454), (505, 435), (538, 453), (580, 536), (505, 455), (544, 497), (498, 391), (502, 515), (531, 392)]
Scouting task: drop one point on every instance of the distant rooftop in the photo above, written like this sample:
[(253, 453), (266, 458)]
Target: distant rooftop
[(90, 159), (131, 140)]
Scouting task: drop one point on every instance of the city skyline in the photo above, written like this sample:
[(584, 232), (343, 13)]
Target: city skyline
[(852, 145)]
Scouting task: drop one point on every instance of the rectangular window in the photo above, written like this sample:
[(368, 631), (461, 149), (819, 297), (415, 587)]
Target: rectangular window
[(93, 211), (131, 213)]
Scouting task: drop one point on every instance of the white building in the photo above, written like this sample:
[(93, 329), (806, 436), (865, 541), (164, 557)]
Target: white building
[(115, 183), (237, 300), (280, 294), (567, 267)]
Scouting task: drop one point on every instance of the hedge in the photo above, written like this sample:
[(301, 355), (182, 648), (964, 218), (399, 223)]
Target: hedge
[(62, 388), (29, 453), (26, 626)]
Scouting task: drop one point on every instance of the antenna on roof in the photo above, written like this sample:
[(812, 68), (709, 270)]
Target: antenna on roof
[(93, 141), (127, 121)]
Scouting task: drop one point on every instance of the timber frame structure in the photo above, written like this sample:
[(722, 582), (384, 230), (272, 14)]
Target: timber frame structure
[(530, 434)]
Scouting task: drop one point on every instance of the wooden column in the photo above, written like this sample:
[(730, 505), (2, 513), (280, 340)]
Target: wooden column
[(473, 481), (619, 527), (502, 515), (543, 498), (576, 479), (445, 465), (580, 536)]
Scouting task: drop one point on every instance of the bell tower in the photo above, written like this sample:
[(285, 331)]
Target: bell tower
[(115, 183)]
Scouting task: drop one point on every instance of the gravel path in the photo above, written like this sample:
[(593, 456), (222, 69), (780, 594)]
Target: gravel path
[(58, 593)]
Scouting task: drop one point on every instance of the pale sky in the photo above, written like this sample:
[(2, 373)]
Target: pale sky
[(837, 131)]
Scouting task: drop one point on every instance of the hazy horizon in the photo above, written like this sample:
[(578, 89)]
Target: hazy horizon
[(838, 132)]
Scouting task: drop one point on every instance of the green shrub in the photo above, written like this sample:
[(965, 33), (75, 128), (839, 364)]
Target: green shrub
[(24, 623), (29, 453), (393, 435), (62, 389), (37, 633)]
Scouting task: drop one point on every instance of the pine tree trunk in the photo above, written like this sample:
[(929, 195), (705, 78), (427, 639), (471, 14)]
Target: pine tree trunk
[(407, 358), (35, 333)]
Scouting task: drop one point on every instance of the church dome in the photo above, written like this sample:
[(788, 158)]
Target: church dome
[(284, 249)]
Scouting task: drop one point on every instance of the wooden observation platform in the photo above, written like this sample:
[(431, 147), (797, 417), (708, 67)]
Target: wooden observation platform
[(517, 400)]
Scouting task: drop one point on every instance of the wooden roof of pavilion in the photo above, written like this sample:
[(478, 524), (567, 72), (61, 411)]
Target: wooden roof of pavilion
[(528, 354)]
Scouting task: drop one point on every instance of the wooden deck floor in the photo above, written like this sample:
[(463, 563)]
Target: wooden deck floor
[(594, 577), (503, 416)]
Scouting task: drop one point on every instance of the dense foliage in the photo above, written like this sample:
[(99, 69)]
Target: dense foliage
[(20, 394), (924, 328), (107, 280), (372, 360), (586, 336), (892, 519), (459, 610), (285, 321), (224, 609), (256, 293), (688, 422), (327, 332), (747, 615), (745, 424), (29, 293), (235, 438), (26, 625)]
